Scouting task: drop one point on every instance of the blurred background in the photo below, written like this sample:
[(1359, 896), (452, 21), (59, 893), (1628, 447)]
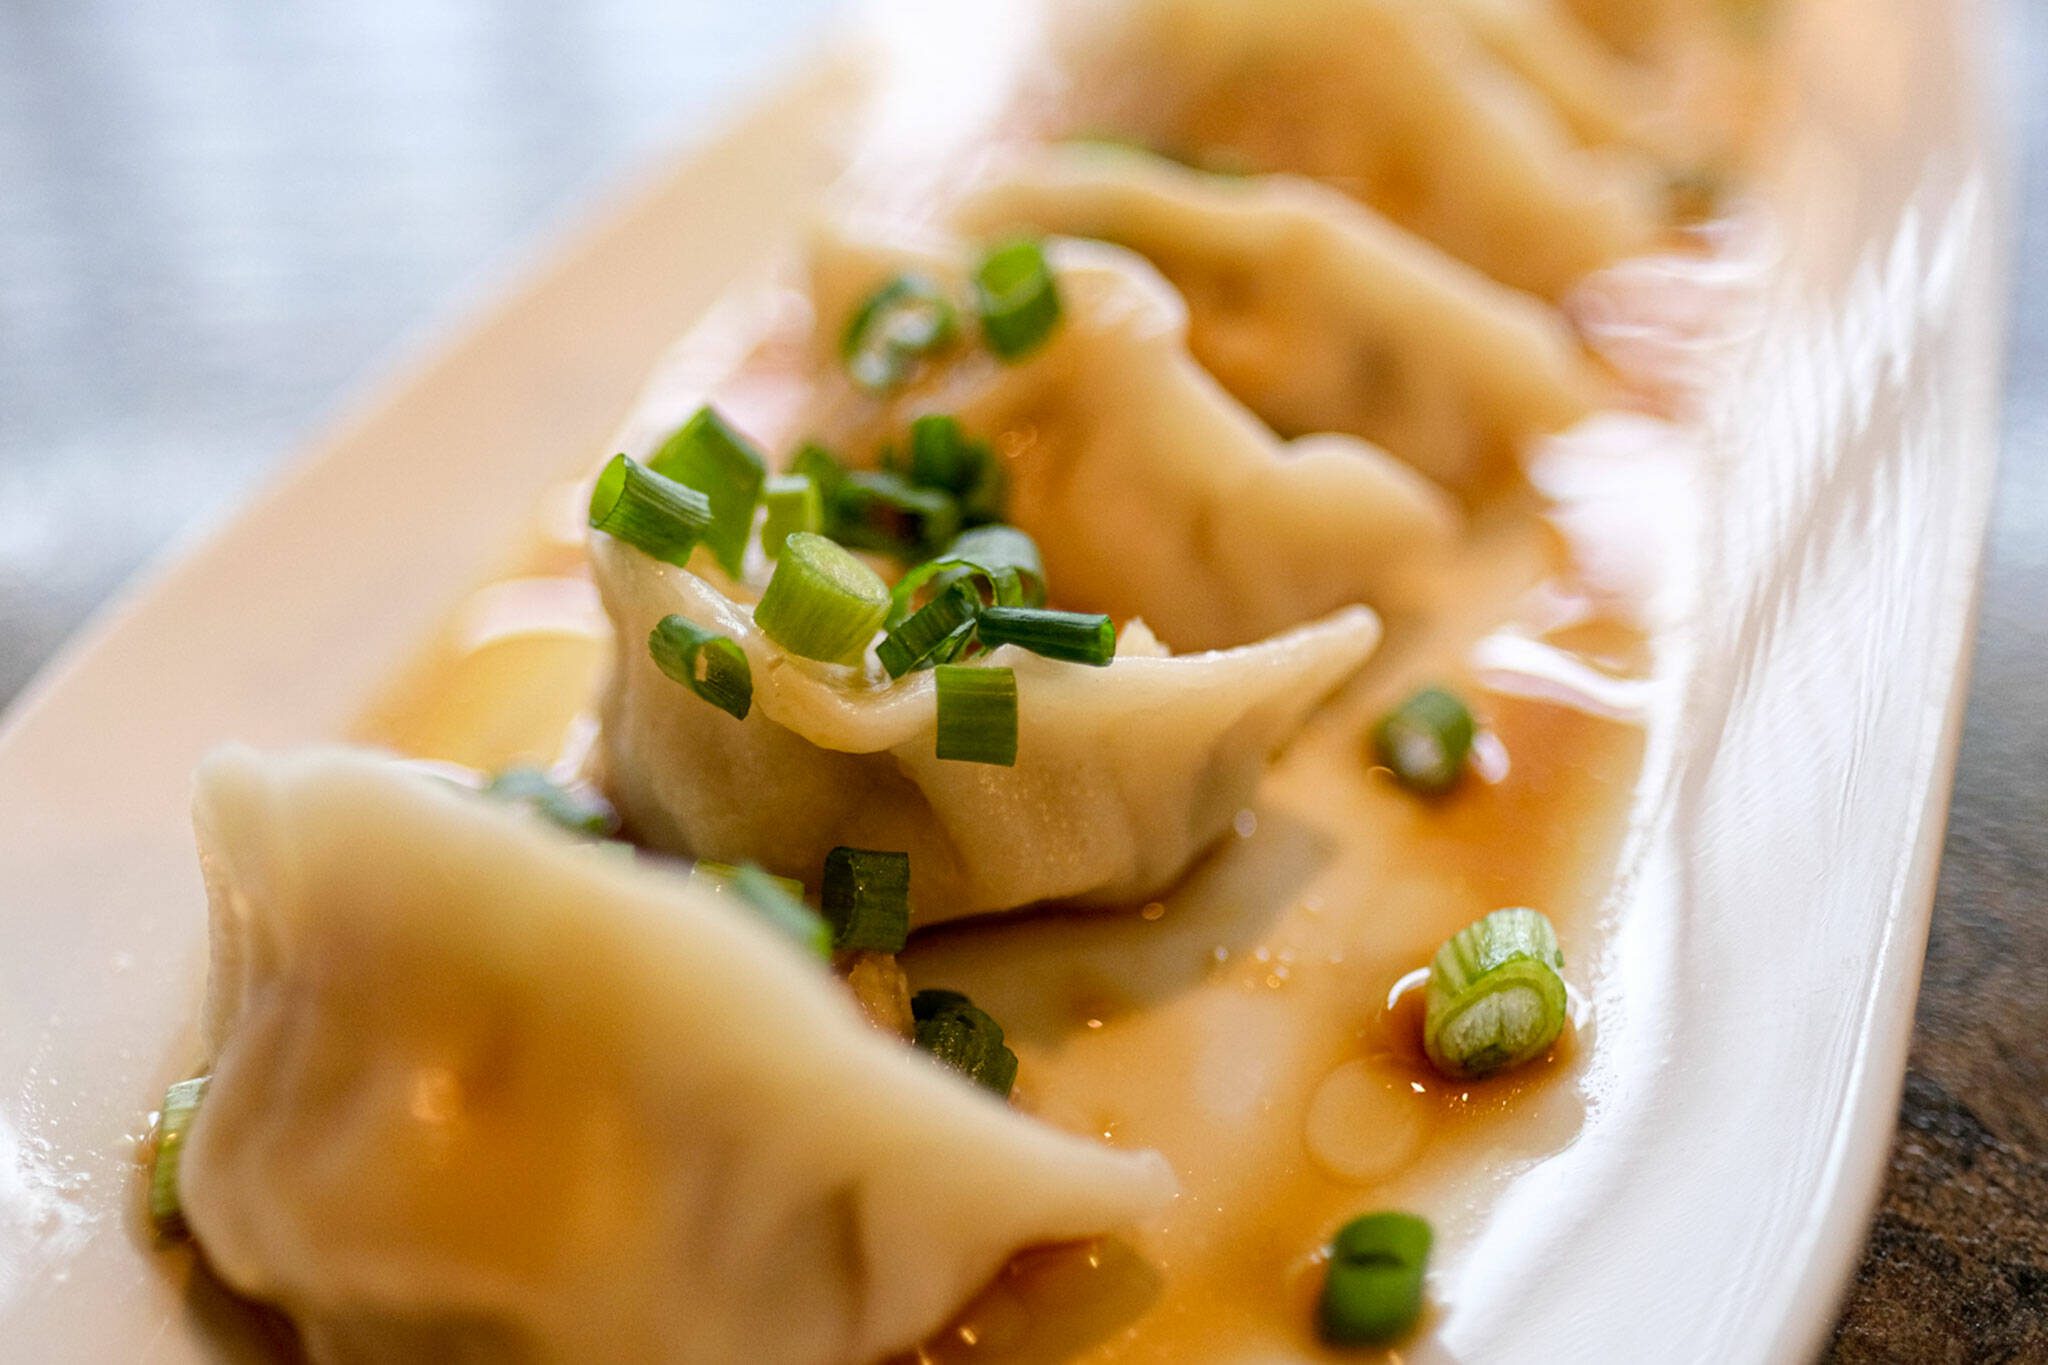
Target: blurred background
[(219, 218)]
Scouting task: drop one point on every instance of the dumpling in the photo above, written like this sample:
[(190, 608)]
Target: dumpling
[(1602, 98), (1395, 102), (1314, 310), (1150, 490), (480, 1092), (1124, 774)]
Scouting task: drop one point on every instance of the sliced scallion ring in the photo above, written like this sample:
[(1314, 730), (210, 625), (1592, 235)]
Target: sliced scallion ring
[(876, 509), (943, 456), (1002, 561), (793, 505), (1494, 999), (1070, 636), (977, 714), (908, 318), (709, 664), (1372, 1288), (953, 1029), (181, 1103), (821, 602), (576, 806), (932, 634), (655, 515), (1015, 294), (867, 899), (719, 878), (772, 899), (706, 454), (1425, 741)]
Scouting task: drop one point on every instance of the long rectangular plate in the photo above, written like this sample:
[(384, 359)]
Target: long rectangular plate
[(1762, 954)]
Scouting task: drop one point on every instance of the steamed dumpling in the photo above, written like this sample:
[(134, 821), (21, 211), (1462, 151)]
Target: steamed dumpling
[(1150, 490), (1395, 102), (1124, 774), (480, 1092), (1601, 97), (1316, 311)]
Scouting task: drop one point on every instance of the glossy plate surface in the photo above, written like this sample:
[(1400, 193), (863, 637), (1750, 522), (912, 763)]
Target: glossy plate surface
[(1762, 951)]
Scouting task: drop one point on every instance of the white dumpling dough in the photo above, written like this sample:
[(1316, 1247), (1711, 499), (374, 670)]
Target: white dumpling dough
[(1124, 774), (1316, 311), (481, 1092), (1150, 490), (1396, 102)]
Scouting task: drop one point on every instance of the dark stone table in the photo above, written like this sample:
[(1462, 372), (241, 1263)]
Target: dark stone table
[(215, 216)]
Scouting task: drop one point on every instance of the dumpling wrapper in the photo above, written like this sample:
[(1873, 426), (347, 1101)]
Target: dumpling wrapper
[(1602, 97), (1124, 774), (480, 1091), (1150, 490), (1317, 312), (1396, 102)]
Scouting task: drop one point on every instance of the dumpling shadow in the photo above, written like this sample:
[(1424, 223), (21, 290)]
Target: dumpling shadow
[(1046, 972)]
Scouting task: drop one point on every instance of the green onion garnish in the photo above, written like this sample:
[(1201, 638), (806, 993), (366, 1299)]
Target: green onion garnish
[(1372, 1291), (935, 633), (1074, 636), (793, 505), (867, 899), (943, 456), (821, 602), (655, 515), (905, 320), (963, 1037), (772, 899), (575, 806), (1001, 560), (876, 509), (1425, 740), (1494, 998), (977, 714), (706, 454), (704, 661), (1016, 297), (719, 877), (181, 1102), (812, 461)]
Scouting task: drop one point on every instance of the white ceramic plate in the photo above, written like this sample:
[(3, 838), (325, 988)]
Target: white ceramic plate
[(1757, 988)]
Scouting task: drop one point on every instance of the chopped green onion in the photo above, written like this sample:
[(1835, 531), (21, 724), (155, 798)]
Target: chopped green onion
[(877, 509), (880, 510), (1002, 560), (654, 514), (952, 1029), (1494, 998), (1372, 1290), (719, 878), (812, 461), (977, 714), (1017, 299), (867, 899), (1074, 636), (181, 1102), (1425, 740), (794, 504), (933, 634), (574, 806), (771, 898), (709, 664), (899, 324), (706, 454), (821, 602), (943, 456)]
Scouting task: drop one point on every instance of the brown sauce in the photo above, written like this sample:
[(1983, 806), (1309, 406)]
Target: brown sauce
[(1249, 1023)]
